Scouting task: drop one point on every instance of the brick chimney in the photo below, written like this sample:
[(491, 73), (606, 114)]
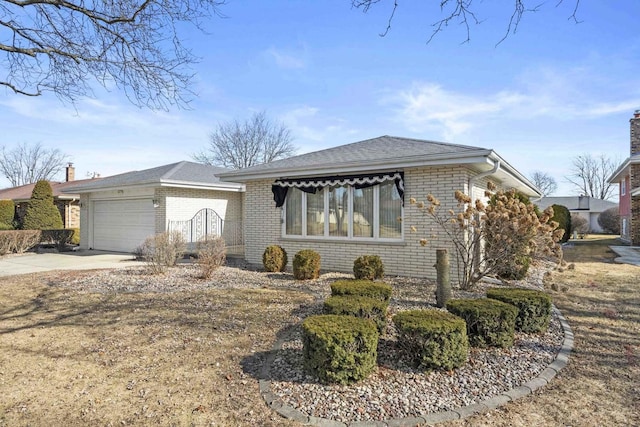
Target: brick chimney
[(634, 178), (71, 172)]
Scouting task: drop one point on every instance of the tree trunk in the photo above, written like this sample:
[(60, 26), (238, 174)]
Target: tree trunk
[(443, 282)]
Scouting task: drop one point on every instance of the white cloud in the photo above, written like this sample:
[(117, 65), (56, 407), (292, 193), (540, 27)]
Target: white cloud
[(286, 59)]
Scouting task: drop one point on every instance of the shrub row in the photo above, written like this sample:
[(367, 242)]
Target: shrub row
[(18, 241), (534, 307)]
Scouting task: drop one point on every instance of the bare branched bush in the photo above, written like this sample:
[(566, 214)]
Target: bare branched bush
[(579, 225), (487, 238), (212, 254), (18, 241), (162, 251)]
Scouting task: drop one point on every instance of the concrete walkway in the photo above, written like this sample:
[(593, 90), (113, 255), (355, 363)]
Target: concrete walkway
[(12, 265), (627, 254)]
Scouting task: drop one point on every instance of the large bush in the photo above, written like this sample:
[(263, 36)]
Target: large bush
[(7, 212), (609, 220), (41, 213), (490, 323), (562, 216), (363, 288), (368, 267), (339, 349), (433, 339), (306, 265), (534, 307), (274, 259), (358, 306)]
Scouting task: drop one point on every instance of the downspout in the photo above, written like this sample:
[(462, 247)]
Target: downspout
[(473, 179)]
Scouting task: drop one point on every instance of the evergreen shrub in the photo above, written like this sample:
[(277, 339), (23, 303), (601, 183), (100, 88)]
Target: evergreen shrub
[(306, 265), (490, 323), (7, 213), (363, 288), (433, 339), (358, 306), (274, 259), (339, 349), (534, 307), (563, 217), (41, 213), (369, 267)]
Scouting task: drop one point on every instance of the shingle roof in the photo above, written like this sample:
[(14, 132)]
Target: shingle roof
[(59, 189), (572, 203), (384, 149), (188, 173)]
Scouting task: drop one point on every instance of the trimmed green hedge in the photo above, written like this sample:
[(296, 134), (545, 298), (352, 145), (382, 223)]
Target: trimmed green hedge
[(364, 288), (534, 307), (369, 267), (339, 349), (490, 323), (7, 213), (358, 306), (434, 339), (306, 265)]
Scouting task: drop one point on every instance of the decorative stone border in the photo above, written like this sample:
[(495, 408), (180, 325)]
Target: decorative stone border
[(561, 360)]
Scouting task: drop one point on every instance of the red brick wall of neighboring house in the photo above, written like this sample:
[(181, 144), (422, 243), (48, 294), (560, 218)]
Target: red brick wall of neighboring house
[(634, 225), (625, 199)]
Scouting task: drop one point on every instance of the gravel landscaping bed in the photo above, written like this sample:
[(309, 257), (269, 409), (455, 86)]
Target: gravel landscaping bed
[(396, 389)]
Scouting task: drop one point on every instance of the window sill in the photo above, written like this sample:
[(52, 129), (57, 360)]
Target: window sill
[(348, 241)]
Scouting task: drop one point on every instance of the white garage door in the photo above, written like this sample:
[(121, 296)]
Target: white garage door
[(122, 225)]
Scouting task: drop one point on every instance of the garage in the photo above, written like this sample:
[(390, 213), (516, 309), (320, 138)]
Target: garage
[(122, 225)]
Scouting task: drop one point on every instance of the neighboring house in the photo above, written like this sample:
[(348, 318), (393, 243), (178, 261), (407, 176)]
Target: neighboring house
[(67, 202), (628, 177), (587, 207), (353, 200), (119, 212)]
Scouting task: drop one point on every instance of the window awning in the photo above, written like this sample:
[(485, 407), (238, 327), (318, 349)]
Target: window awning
[(311, 185)]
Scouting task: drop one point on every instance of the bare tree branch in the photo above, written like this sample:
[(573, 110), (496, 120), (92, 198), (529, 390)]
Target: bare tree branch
[(240, 145), (463, 12), (589, 175), (26, 164), (545, 182), (63, 47)]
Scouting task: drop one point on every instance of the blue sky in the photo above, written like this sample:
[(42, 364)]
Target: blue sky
[(550, 92)]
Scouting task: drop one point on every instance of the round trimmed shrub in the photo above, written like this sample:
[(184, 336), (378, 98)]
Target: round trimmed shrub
[(358, 306), (534, 307), (434, 339), (369, 267), (490, 323), (364, 288), (306, 265), (339, 349), (274, 259)]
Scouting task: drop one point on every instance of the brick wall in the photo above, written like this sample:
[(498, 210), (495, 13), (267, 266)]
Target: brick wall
[(634, 179), (263, 226)]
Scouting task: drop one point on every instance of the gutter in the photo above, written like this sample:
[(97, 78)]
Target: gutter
[(473, 179)]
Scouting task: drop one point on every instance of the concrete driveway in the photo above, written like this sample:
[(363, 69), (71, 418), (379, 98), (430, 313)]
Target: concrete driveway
[(12, 265)]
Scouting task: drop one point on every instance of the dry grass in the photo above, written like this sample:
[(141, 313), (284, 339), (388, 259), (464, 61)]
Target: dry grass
[(601, 384), (190, 358), (179, 359)]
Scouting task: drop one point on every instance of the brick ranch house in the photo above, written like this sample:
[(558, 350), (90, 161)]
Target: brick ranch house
[(119, 212), (352, 200), (628, 177), (67, 202)]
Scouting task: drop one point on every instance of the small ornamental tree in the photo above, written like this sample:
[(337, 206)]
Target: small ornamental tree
[(609, 220), (510, 228), (41, 213), (579, 224)]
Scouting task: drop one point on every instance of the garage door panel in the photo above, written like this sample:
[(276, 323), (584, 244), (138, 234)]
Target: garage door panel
[(122, 225)]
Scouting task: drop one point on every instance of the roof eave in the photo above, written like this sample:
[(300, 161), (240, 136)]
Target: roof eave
[(478, 156)]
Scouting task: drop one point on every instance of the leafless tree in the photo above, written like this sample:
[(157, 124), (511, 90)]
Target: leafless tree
[(464, 13), (544, 182), (240, 145), (63, 47), (26, 164), (589, 175)]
